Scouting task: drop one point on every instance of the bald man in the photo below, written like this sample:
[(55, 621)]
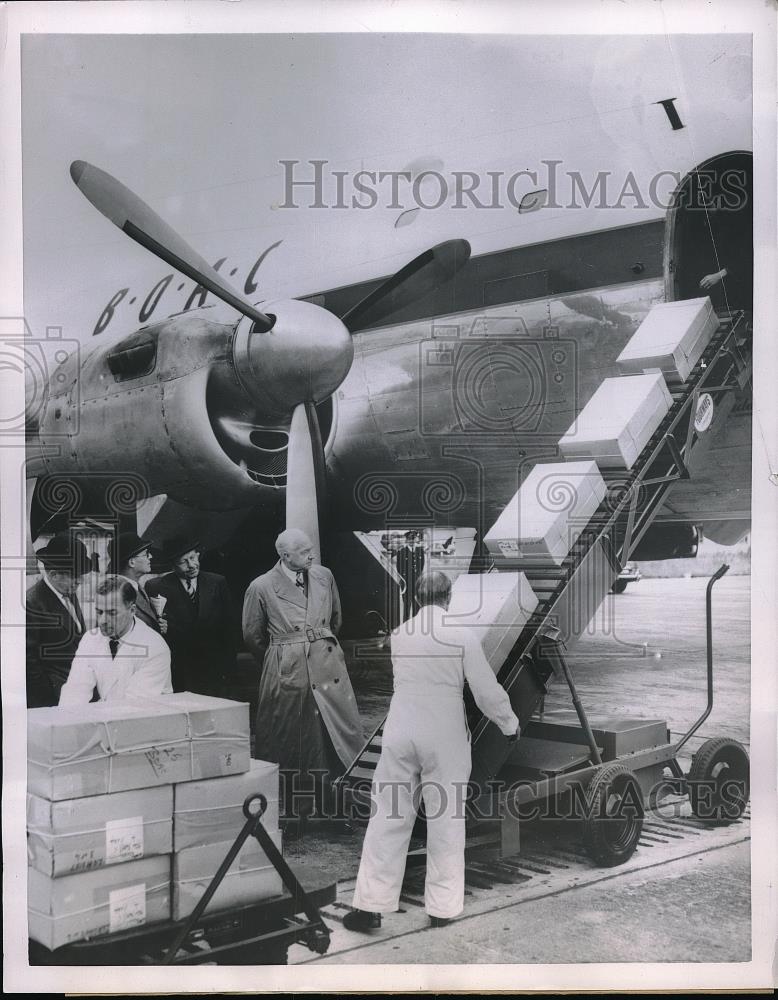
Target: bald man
[(307, 720)]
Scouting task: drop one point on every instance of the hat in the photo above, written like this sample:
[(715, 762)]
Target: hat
[(123, 548), (65, 553), (174, 548)]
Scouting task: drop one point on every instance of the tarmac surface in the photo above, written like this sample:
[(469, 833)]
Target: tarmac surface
[(685, 893)]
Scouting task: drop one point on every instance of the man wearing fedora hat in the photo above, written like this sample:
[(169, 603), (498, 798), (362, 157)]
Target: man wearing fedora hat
[(130, 556), (55, 622), (201, 624)]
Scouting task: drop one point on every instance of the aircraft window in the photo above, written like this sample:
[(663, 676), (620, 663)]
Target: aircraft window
[(406, 218), (133, 358), (532, 201)]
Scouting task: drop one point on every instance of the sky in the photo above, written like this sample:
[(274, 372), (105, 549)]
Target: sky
[(197, 124)]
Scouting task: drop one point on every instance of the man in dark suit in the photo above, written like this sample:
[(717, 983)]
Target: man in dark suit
[(201, 624), (55, 622), (410, 566), (130, 556)]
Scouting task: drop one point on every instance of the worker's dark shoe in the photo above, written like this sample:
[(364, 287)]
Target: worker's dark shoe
[(362, 920), (439, 921)]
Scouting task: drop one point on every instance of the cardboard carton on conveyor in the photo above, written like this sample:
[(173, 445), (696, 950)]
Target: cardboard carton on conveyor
[(618, 421), (545, 517), (210, 812), (78, 835), (672, 338), (496, 606)]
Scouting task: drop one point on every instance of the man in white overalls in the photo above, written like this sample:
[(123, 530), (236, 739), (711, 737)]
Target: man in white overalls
[(426, 754)]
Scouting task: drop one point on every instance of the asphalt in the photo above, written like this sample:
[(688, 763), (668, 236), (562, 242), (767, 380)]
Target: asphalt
[(692, 909)]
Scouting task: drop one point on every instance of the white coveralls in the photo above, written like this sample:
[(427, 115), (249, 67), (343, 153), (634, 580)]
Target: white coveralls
[(426, 753)]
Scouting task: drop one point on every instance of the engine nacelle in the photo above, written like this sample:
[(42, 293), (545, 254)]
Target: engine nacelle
[(139, 407), (305, 356)]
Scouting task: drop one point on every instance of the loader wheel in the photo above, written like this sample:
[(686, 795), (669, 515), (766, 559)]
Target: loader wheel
[(719, 781), (614, 815)]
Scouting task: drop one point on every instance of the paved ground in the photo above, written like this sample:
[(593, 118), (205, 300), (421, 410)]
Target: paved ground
[(692, 909)]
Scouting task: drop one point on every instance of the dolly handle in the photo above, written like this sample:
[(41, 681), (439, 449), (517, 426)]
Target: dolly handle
[(724, 568), (718, 575), (253, 820)]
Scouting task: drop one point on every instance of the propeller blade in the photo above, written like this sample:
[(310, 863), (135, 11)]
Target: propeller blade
[(134, 217), (305, 475), (426, 272)]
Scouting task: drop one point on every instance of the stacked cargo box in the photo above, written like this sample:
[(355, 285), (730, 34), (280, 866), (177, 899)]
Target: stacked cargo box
[(106, 851), (207, 815), (541, 524)]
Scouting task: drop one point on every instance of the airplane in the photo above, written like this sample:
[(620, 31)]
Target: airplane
[(417, 396)]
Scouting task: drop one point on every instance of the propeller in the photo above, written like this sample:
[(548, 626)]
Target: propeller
[(307, 352), (134, 217), (425, 273), (306, 466), (306, 475)]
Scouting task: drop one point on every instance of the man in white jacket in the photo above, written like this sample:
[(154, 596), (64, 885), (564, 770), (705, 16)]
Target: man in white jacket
[(426, 754), (120, 658)]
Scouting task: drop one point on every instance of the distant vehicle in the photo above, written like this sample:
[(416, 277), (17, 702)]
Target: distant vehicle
[(630, 574)]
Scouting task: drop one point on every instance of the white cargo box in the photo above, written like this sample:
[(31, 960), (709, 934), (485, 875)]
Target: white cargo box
[(619, 419), (544, 519), (250, 878), (496, 606), (671, 338), (77, 835), (95, 903), (209, 812)]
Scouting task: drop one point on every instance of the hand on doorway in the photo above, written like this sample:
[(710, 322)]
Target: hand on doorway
[(710, 280)]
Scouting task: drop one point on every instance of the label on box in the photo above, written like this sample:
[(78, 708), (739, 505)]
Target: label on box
[(123, 839), (127, 907), (163, 759), (508, 547)]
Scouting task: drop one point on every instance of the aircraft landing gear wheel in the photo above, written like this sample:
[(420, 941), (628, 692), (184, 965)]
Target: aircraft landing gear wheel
[(619, 587), (614, 817), (719, 781)]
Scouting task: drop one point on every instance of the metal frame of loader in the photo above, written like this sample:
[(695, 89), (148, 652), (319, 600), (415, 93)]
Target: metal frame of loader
[(570, 596), (253, 934)]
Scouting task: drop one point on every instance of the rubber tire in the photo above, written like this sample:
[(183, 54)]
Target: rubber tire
[(619, 586), (720, 759), (606, 843)]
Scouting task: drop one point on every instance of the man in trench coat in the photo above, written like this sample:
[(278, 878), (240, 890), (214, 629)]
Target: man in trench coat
[(307, 719)]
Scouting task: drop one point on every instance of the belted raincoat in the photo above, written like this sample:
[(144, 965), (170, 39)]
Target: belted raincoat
[(307, 706)]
